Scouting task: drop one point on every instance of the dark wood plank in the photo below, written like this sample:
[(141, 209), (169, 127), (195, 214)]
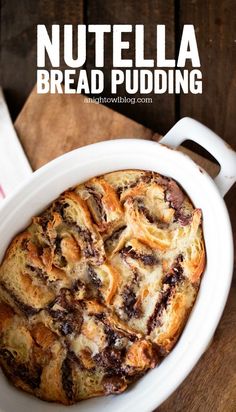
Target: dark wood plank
[(18, 42), (160, 114), (215, 23), (211, 386)]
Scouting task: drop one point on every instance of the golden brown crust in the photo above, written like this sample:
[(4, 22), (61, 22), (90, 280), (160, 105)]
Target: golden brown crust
[(6, 314), (99, 287), (141, 355)]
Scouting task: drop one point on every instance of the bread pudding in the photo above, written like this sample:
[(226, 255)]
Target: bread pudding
[(97, 289)]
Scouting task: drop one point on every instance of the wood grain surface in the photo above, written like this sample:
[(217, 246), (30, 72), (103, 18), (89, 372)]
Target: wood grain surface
[(19, 19), (47, 133), (136, 12), (215, 25), (53, 124), (50, 125)]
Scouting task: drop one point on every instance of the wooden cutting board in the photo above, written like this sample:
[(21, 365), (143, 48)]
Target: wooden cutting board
[(50, 125)]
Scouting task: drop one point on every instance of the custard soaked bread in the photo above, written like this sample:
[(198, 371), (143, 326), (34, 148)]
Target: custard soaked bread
[(97, 290)]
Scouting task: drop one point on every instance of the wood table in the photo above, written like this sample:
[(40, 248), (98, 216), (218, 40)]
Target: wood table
[(211, 387), (50, 125), (215, 24)]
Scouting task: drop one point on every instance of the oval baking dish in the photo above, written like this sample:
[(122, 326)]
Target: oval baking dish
[(82, 164)]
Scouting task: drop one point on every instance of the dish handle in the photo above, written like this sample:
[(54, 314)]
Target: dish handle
[(190, 129)]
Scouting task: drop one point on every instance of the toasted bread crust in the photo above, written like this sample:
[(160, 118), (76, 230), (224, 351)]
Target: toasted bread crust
[(99, 287)]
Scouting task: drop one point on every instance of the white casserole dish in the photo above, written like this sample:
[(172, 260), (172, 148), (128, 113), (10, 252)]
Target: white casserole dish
[(79, 165)]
